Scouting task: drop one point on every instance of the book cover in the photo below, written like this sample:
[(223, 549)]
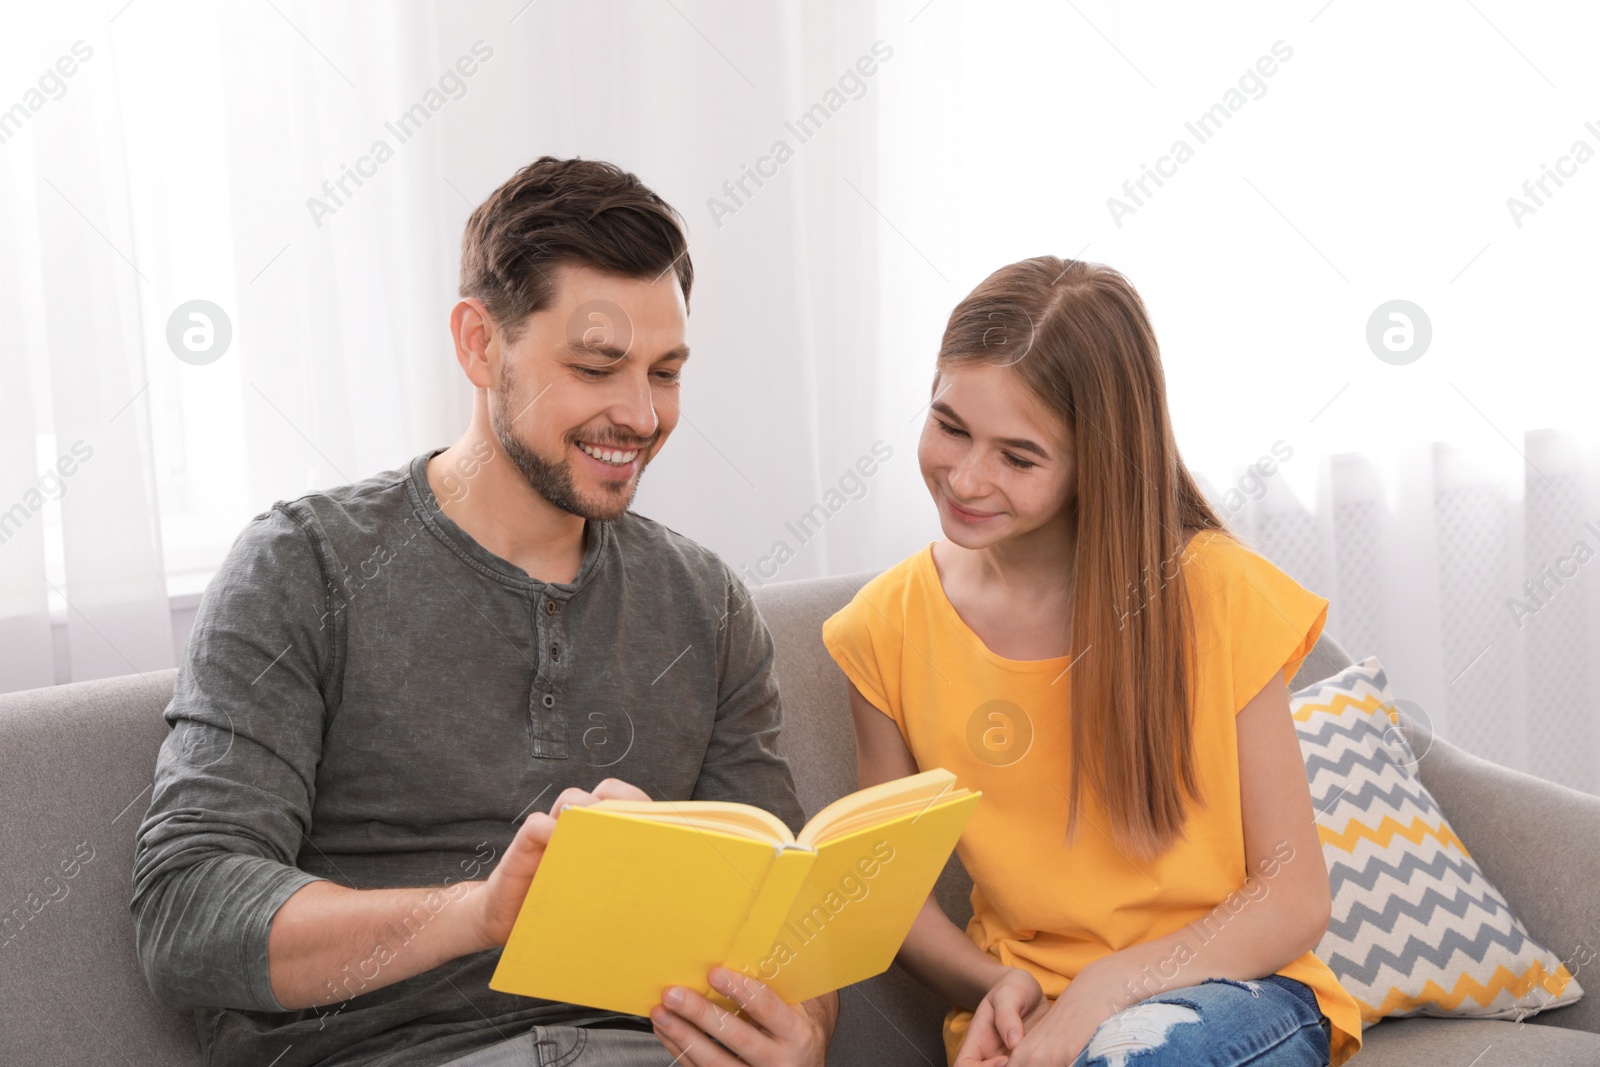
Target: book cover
[(631, 897)]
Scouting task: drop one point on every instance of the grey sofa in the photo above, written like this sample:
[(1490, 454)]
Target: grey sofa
[(75, 769)]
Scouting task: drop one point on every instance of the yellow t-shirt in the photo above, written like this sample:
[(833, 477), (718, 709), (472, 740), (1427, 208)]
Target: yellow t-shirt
[(1001, 725)]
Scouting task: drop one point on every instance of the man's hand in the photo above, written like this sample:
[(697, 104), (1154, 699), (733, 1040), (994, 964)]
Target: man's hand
[(497, 900), (1007, 1012), (766, 1032)]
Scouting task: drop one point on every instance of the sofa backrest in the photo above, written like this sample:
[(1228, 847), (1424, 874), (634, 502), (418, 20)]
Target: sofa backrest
[(75, 772), (76, 763)]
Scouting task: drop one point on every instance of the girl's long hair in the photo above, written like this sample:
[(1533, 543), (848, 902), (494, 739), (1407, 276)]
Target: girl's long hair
[(1078, 336)]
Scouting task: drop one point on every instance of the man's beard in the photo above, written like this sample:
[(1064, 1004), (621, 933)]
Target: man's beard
[(554, 481)]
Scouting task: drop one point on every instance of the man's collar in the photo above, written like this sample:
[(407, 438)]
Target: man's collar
[(597, 536)]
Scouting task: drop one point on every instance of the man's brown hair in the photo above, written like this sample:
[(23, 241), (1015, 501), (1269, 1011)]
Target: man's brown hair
[(566, 212)]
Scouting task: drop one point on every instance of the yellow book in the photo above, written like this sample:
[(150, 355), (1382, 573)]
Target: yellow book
[(634, 896)]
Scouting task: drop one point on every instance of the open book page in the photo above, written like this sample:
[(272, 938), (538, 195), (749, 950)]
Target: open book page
[(623, 907), (864, 807), (878, 804), (858, 901), (720, 815)]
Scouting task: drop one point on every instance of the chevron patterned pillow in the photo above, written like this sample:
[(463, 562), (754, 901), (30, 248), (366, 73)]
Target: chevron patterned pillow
[(1416, 929)]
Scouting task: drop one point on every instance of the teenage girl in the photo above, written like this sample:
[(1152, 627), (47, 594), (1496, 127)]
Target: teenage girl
[(1095, 652)]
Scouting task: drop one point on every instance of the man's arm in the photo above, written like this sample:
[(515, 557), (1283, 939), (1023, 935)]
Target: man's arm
[(824, 1014), (235, 779), (742, 762), (329, 943), (223, 915)]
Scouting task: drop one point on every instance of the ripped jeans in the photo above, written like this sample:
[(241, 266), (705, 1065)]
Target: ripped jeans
[(1272, 1022)]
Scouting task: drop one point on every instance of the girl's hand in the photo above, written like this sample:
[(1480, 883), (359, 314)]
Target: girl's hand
[(1066, 1029), (1008, 1011)]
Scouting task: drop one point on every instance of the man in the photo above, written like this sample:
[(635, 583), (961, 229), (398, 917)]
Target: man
[(384, 678)]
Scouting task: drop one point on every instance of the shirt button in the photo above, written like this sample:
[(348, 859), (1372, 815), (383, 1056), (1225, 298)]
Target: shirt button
[(549, 701), (549, 607), (555, 652)]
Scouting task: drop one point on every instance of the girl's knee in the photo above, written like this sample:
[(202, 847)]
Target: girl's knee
[(1144, 1034), (1190, 1026)]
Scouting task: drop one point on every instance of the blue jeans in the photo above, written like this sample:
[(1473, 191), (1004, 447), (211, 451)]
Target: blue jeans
[(1272, 1022)]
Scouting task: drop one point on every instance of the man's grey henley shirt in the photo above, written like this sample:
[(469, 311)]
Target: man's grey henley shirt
[(369, 696)]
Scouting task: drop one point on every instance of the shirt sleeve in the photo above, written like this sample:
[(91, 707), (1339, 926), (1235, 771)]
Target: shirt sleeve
[(1272, 622), (742, 762), (863, 642), (215, 855)]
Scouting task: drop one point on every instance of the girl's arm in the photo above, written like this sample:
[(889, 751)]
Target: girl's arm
[(1282, 910), (1278, 915), (935, 952)]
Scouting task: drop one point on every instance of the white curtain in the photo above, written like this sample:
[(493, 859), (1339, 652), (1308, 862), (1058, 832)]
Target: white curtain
[(230, 153), (1330, 166), (80, 526)]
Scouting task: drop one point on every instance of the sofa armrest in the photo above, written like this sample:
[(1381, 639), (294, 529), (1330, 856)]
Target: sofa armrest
[(1538, 843)]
